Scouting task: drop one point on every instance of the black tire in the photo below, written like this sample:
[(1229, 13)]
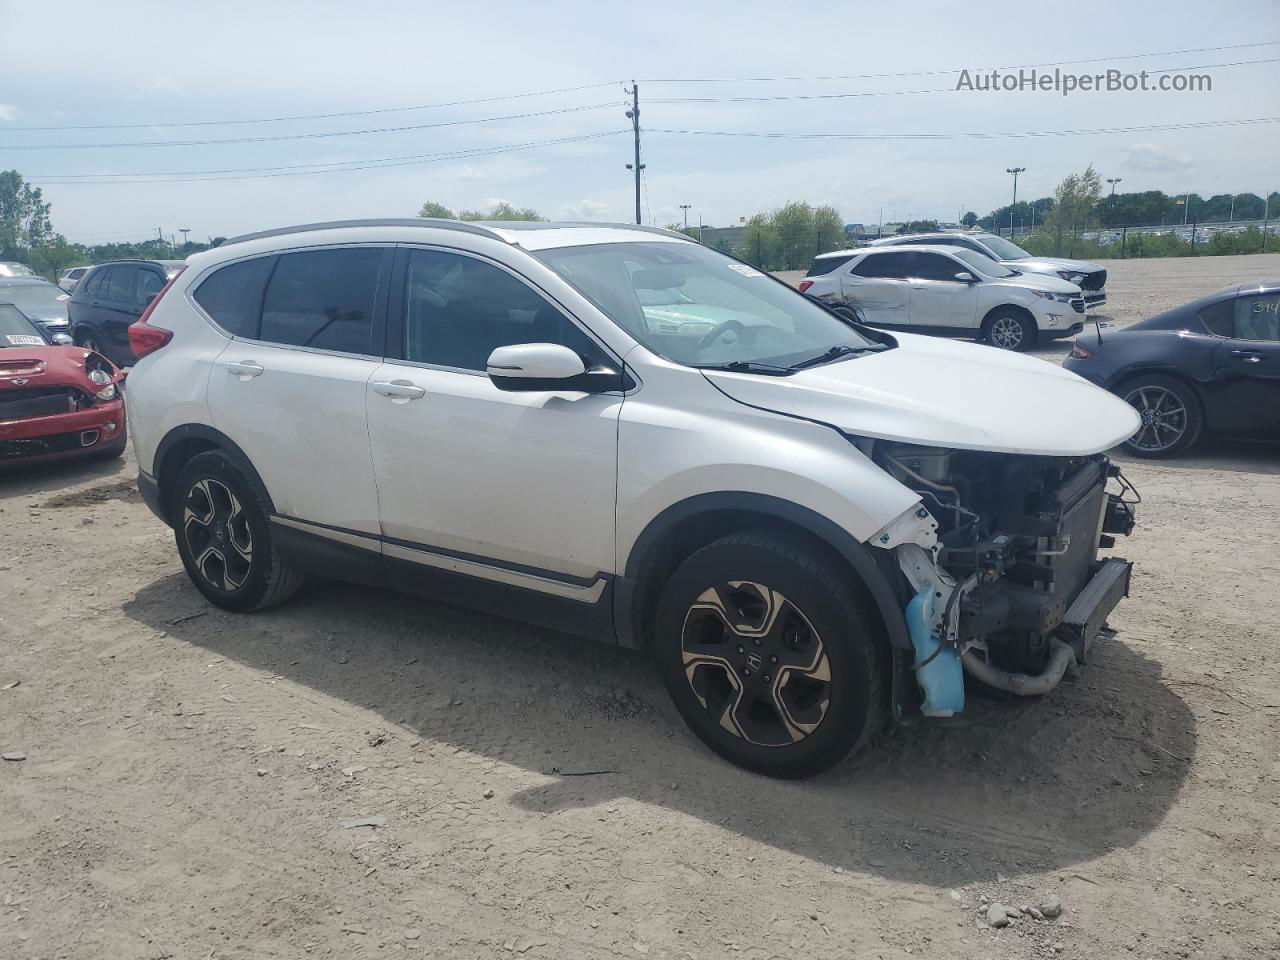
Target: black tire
[(89, 340), (1009, 329), (224, 537), (1171, 416), (750, 707)]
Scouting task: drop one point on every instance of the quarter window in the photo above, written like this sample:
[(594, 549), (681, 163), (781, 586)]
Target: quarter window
[(232, 295), (458, 310), (323, 299), (149, 284)]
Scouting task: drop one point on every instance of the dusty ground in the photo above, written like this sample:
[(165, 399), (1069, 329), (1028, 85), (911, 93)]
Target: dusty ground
[(188, 773)]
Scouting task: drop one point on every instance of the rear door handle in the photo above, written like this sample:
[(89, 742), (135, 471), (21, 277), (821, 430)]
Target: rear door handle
[(398, 389), (245, 369), (1249, 356)]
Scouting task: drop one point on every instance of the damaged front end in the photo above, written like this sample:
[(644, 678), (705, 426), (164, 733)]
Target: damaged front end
[(1001, 556)]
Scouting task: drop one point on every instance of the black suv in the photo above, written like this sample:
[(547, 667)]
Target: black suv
[(110, 298)]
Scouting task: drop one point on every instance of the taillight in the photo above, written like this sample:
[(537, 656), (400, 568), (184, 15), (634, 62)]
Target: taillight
[(805, 285), (1080, 353), (144, 338)]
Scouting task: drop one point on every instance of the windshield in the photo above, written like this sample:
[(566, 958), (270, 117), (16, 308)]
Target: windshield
[(1005, 250), (985, 265), (694, 306), (16, 330)]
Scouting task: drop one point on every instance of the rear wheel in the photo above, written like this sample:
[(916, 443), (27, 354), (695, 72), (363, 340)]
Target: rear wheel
[(769, 655), (1170, 412), (1009, 330), (224, 537)]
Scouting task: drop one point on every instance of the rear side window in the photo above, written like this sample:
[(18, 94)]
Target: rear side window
[(232, 295), (893, 266), (824, 265), (119, 284), (323, 299), (1258, 317)]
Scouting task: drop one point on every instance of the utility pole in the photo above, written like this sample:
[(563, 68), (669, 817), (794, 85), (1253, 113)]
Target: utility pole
[(1015, 171), (685, 207), (634, 115)]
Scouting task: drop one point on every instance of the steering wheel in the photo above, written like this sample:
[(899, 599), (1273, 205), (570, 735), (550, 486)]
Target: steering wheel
[(711, 336)]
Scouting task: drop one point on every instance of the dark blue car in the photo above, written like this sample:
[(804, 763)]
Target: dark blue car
[(1211, 366)]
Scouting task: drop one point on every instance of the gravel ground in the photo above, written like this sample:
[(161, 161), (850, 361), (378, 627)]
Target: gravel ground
[(192, 778)]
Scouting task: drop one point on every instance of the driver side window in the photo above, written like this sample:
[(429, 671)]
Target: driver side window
[(458, 310)]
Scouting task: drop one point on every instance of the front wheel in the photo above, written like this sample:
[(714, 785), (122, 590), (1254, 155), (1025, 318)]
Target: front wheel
[(769, 655), (1171, 419), (224, 537), (1009, 330)]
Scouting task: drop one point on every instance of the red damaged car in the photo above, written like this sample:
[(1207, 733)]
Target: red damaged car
[(56, 400)]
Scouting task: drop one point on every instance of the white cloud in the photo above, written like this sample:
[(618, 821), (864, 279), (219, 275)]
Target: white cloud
[(1151, 158), (7, 112), (585, 210)]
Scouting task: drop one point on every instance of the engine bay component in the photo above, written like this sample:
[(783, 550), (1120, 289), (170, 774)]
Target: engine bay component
[(1061, 656)]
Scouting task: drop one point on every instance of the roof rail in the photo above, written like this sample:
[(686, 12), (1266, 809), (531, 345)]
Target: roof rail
[(458, 225)]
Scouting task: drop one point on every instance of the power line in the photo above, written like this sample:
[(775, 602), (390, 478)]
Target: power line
[(319, 116), (934, 73), (337, 167), (304, 136), (903, 93), (968, 134)]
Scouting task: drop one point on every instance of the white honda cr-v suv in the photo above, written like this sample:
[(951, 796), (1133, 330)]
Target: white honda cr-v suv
[(811, 525)]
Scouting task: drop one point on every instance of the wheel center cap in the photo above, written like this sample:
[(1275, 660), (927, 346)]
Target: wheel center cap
[(220, 533), (754, 660)]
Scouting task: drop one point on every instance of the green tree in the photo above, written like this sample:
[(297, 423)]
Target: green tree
[(970, 219), (918, 226), (502, 211), (1074, 204), (24, 216), (436, 210)]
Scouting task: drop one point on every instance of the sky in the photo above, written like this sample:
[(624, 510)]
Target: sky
[(891, 69)]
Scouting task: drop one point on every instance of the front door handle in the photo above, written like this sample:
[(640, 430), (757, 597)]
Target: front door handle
[(245, 369), (398, 389), (1248, 356)]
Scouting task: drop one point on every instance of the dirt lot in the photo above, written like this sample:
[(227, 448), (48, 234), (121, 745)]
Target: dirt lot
[(191, 776)]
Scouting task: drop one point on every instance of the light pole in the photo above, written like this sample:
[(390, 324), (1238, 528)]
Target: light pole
[(685, 207), (1015, 171), (1186, 206), (1113, 181), (184, 231)]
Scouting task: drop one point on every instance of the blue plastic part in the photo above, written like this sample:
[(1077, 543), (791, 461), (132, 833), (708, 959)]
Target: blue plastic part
[(942, 679)]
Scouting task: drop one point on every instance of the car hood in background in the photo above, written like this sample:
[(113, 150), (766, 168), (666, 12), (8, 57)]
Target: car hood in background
[(1048, 282), (940, 393), (1053, 264)]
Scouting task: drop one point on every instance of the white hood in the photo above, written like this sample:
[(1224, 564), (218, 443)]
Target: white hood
[(940, 393)]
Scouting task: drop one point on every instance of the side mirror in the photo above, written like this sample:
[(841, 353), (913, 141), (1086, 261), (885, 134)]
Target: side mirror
[(536, 366), (62, 340), (964, 276)]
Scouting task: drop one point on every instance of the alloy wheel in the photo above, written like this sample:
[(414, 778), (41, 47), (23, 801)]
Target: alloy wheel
[(755, 663), (217, 533), (1006, 333), (1164, 418)]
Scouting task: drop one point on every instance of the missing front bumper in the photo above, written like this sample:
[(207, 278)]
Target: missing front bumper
[(1088, 613)]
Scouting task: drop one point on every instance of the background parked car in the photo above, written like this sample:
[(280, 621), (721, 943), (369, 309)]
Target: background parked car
[(1212, 365), (73, 276), (11, 268), (42, 302), (1089, 277), (947, 291), (112, 296), (56, 401)]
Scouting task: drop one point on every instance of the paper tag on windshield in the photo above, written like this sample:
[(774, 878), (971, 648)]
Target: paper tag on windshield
[(22, 340), (745, 270)]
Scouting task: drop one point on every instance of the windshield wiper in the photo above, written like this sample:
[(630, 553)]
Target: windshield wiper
[(835, 353), (747, 366)]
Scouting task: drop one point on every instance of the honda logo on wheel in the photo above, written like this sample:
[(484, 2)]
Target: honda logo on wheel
[(754, 661)]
